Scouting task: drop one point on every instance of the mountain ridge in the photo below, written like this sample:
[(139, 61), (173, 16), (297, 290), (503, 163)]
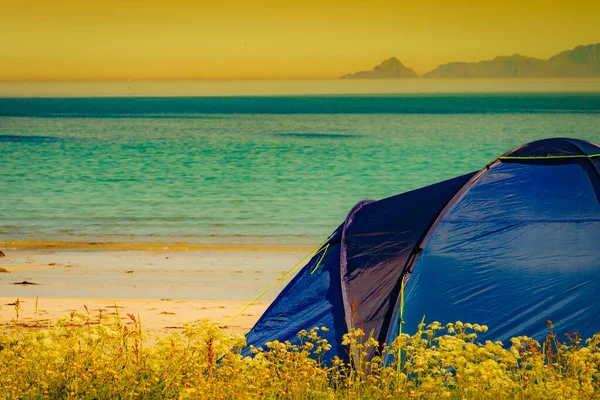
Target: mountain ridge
[(390, 68), (580, 62)]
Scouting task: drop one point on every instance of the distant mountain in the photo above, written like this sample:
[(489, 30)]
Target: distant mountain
[(587, 56), (390, 68), (582, 61)]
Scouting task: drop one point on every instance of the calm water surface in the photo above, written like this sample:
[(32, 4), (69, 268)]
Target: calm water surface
[(248, 170)]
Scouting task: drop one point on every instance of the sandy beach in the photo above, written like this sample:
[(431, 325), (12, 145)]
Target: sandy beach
[(158, 316), (165, 285)]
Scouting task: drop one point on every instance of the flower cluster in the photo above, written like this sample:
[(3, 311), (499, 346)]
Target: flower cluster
[(84, 359)]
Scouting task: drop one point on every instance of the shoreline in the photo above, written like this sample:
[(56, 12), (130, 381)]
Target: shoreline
[(149, 246)]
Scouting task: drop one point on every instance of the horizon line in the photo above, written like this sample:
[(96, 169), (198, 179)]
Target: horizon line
[(117, 80)]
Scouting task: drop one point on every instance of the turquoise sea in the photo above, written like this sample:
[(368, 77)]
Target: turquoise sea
[(279, 170)]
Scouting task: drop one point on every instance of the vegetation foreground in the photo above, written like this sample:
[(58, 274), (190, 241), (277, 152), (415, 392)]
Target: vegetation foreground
[(85, 358)]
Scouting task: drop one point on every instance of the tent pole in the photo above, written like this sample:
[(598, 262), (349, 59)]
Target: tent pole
[(400, 323)]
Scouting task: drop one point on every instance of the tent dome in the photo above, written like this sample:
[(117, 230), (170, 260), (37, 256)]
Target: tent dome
[(510, 246)]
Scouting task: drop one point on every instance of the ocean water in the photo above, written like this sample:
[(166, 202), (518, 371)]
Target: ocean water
[(248, 170)]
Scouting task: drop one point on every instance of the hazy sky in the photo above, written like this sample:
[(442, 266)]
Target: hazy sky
[(242, 39)]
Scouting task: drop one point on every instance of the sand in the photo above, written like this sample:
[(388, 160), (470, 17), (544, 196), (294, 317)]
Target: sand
[(165, 287), (159, 317)]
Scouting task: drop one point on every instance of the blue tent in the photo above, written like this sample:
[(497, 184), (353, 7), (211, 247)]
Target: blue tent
[(510, 246)]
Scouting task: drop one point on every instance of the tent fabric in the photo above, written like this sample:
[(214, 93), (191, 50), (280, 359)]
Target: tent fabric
[(596, 162), (378, 240), (519, 248), (312, 299), (511, 246), (555, 148)]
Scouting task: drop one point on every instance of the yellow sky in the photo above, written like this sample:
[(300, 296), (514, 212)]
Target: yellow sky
[(237, 39)]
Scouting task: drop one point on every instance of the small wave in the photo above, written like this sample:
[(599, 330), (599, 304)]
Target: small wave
[(27, 139), (118, 115), (318, 135)]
